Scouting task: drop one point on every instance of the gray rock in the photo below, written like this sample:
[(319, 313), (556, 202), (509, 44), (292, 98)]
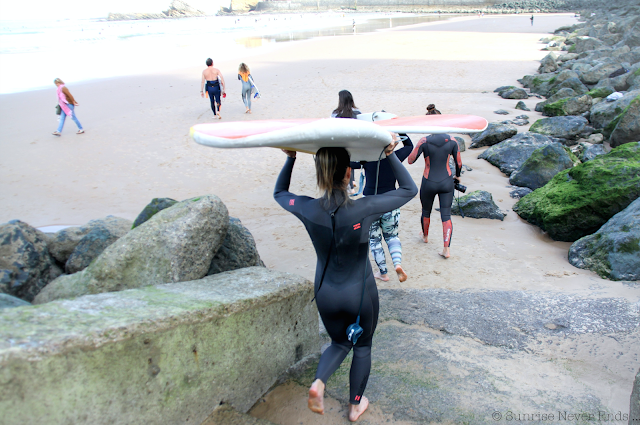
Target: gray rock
[(62, 243), (520, 122), (541, 166), (633, 80), (567, 57), (155, 206), (503, 88), (578, 105), (462, 146), (548, 64), (584, 44), (634, 401), (627, 129), (176, 245), (596, 138), (510, 154), (515, 93), (572, 83), (520, 192), (477, 204), (570, 128), (520, 105), (598, 72), (591, 152), (614, 250), (237, 251), (9, 301), (603, 113), (102, 233), (25, 264), (501, 112), (522, 117), (494, 133), (540, 83)]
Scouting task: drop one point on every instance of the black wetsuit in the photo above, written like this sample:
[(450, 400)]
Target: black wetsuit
[(213, 89), (437, 179), (338, 299)]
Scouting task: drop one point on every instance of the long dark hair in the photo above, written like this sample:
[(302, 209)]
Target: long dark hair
[(345, 105), (331, 167)]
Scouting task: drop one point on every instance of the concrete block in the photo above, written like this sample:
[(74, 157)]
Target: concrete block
[(160, 354)]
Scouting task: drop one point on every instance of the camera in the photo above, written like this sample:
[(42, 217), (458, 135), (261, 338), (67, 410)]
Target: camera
[(457, 186)]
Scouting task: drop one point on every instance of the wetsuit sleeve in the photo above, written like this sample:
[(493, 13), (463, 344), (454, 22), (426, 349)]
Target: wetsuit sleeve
[(281, 194), (458, 158), (405, 151), (393, 199), (419, 149)]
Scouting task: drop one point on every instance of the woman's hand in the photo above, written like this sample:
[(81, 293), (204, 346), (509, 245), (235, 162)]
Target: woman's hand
[(290, 154), (390, 148)]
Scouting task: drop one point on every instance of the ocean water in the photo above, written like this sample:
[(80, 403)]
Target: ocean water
[(34, 53)]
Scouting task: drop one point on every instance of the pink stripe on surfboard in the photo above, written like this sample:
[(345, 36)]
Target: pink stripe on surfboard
[(240, 129), (470, 122)]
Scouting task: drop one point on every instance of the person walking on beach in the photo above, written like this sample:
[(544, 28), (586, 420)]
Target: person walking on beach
[(437, 180), (244, 75), (67, 107), (531, 20), (211, 80), (431, 110), (346, 109), (388, 224), (345, 290)]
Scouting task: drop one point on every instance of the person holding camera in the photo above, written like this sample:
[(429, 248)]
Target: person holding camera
[(345, 289), (438, 180)]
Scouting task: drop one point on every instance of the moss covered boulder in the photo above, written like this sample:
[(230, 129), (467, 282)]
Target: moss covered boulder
[(627, 125), (541, 166), (510, 154), (614, 250), (603, 113), (568, 128), (578, 201)]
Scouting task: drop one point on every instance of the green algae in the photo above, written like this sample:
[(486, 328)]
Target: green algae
[(600, 92), (554, 109), (578, 201), (621, 113)]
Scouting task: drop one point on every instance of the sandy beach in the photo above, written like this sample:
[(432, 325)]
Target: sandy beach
[(137, 147)]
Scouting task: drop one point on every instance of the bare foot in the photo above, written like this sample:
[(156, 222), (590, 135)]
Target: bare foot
[(219, 116), (316, 397), (382, 277), (402, 276), (424, 238), (445, 253), (356, 410), (249, 111)]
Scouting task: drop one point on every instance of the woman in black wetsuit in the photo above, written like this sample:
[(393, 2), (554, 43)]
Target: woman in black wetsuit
[(437, 180), (343, 255)]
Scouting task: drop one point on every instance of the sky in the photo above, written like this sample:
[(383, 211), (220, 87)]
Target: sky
[(84, 9)]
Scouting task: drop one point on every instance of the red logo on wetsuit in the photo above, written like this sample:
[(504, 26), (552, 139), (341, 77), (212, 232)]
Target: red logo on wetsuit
[(357, 398), (356, 226), (291, 201)]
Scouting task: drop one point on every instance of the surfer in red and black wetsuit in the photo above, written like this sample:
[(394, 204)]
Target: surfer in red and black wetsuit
[(437, 180)]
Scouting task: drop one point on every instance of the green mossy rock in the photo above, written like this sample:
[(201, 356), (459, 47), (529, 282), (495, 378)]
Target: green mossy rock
[(577, 202), (541, 166)]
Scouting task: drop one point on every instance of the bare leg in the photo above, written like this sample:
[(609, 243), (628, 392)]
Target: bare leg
[(445, 252), (402, 275), (424, 238), (382, 277), (356, 410), (316, 397)]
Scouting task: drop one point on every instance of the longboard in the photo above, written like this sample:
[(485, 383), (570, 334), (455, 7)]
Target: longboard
[(365, 140)]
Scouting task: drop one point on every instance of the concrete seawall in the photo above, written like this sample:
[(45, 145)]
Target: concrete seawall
[(162, 354)]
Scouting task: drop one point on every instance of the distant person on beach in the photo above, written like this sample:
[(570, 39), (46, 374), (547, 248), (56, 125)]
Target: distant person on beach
[(67, 107), (531, 20), (346, 109), (431, 110), (386, 227), (344, 286), (211, 80), (244, 75), (437, 180)]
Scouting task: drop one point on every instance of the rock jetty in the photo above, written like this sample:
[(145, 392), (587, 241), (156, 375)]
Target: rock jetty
[(177, 9)]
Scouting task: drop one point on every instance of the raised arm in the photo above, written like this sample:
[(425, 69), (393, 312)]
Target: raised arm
[(404, 152)]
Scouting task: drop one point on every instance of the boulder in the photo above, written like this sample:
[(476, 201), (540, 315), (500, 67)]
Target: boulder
[(477, 204), (237, 251), (577, 105), (613, 252), (567, 57), (25, 264), (515, 93), (541, 166), (163, 354), (155, 206), (521, 105), (501, 112), (9, 301), (578, 201), (101, 233), (603, 113), (572, 83), (520, 192), (584, 44), (61, 244), (548, 64), (634, 401), (601, 92), (633, 80), (462, 146), (591, 152), (570, 128), (176, 245), (627, 125), (540, 84), (494, 133), (510, 154)]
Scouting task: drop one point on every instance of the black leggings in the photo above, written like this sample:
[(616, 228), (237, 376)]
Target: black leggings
[(214, 95), (428, 191)]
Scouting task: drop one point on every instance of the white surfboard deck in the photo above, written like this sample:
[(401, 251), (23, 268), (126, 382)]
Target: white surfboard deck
[(365, 140)]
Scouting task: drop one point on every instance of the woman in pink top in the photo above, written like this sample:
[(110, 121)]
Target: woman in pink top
[(67, 104)]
